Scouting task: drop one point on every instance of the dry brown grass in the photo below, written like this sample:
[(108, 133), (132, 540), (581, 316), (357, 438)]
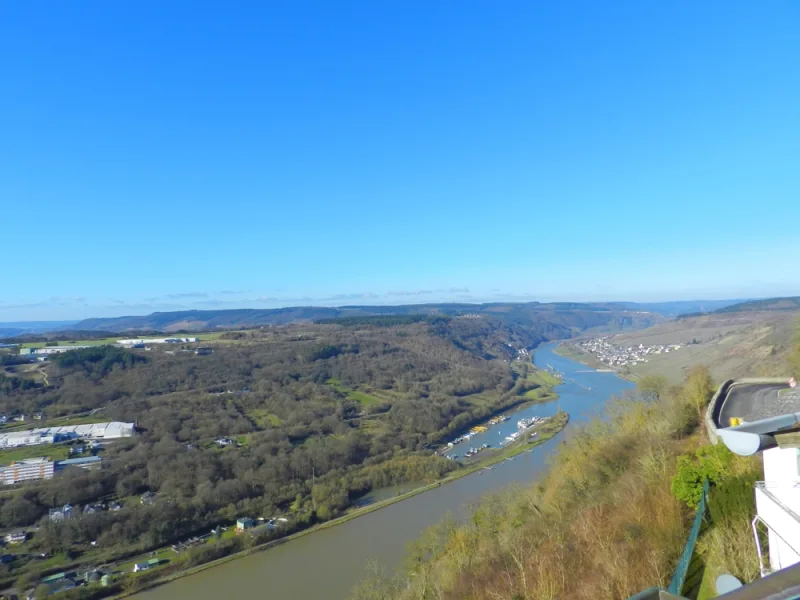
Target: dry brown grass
[(602, 525)]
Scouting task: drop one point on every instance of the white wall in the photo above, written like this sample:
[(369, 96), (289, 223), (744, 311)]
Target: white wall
[(780, 464), (778, 504)]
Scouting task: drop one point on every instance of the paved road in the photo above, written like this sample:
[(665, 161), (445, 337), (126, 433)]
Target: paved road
[(752, 402)]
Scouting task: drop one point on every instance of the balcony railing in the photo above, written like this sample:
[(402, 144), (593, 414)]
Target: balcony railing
[(778, 510)]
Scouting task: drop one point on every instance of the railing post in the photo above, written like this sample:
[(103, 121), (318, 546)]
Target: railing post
[(679, 577)]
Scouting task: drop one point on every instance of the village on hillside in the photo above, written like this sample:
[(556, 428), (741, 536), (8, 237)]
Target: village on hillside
[(620, 356)]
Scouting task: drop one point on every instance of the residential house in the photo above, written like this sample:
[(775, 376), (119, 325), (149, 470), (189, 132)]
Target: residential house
[(16, 538), (144, 566), (60, 514), (90, 509), (59, 582)]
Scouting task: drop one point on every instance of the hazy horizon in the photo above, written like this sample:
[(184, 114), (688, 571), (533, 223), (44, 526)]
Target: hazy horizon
[(88, 311)]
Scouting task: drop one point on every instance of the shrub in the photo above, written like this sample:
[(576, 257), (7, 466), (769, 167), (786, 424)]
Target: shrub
[(708, 462), (733, 498)]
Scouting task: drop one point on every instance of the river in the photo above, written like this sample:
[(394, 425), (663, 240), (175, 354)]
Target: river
[(328, 563)]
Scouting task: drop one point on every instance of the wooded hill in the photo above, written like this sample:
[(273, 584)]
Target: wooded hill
[(564, 318), (319, 414), (770, 304)]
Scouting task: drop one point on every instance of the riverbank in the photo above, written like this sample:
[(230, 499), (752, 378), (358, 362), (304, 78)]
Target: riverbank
[(546, 539), (572, 353), (546, 431)]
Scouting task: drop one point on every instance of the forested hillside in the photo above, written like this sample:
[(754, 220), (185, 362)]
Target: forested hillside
[(769, 304), (559, 318), (318, 415)]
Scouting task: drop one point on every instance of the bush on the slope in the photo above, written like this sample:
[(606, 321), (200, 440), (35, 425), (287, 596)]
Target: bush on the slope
[(708, 462)]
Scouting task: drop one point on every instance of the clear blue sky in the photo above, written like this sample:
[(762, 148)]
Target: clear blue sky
[(158, 155)]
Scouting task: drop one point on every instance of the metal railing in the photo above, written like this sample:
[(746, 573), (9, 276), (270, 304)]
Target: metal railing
[(679, 577), (775, 492)]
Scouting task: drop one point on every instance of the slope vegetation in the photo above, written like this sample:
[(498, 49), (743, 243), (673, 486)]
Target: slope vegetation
[(771, 304), (603, 524)]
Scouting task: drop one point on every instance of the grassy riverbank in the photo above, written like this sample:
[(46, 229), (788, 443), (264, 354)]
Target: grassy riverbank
[(602, 524), (545, 432)]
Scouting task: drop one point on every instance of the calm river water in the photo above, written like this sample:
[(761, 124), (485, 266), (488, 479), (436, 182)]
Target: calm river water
[(328, 563)]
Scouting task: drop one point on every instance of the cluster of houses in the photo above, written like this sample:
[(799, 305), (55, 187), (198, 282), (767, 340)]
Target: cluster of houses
[(68, 511), (522, 353), (260, 524), (620, 356), (21, 418), (67, 580)]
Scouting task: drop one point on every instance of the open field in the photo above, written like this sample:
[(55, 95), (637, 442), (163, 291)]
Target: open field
[(729, 344), (51, 451), (82, 419), (365, 400), (202, 337)]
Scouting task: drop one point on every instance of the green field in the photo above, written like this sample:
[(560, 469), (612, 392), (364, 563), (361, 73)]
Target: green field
[(54, 422), (362, 398), (263, 418), (95, 342), (536, 384), (365, 400), (52, 451)]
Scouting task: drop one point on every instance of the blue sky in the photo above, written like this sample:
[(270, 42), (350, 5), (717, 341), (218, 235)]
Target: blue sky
[(157, 156)]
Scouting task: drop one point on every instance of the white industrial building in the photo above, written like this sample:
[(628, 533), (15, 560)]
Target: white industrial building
[(50, 435), (169, 340), (49, 350)]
